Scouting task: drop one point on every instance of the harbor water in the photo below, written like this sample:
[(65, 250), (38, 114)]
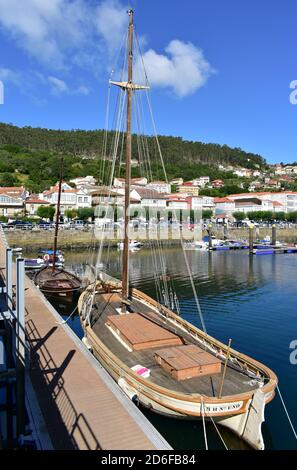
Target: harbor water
[(252, 300)]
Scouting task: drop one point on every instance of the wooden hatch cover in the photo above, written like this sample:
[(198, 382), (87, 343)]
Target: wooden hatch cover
[(187, 361), (140, 333)]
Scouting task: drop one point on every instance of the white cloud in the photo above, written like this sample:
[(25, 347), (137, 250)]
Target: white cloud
[(64, 35), (83, 90), (8, 75), (46, 29), (58, 86), (111, 23), (184, 69), (60, 33)]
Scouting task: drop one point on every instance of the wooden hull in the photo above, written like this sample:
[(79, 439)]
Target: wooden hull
[(65, 294), (57, 283), (233, 411)]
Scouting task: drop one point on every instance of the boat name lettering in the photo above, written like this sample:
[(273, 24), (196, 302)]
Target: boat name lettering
[(222, 408)]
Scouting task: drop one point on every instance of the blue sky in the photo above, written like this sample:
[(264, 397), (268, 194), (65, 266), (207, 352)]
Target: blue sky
[(220, 70)]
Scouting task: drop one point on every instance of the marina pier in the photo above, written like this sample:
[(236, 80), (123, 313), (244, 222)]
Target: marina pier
[(64, 398)]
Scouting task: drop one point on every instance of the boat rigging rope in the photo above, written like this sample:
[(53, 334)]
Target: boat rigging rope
[(166, 179), (287, 413), (203, 421)]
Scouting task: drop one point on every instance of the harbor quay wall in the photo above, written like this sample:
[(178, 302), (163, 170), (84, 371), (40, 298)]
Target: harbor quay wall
[(78, 239)]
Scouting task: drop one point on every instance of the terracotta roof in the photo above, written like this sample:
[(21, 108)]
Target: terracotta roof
[(222, 199), (188, 184), (251, 203), (221, 216), (251, 194), (158, 182), (178, 200), (132, 179), (36, 200), (55, 190), (147, 193), (12, 190), (277, 204), (176, 196)]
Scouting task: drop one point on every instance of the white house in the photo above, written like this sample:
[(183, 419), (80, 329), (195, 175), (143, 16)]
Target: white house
[(159, 186), (224, 205), (12, 200), (84, 181), (286, 199), (32, 204), (150, 198), (178, 203), (208, 202), (202, 181), (177, 181), (83, 199), (70, 198), (120, 182), (195, 202), (189, 189), (243, 172), (253, 204)]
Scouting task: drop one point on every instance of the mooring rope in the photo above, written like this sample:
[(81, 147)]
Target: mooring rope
[(65, 321), (287, 413), (220, 435)]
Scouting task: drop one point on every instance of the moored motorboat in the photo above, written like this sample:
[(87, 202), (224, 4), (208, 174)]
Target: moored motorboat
[(134, 245)]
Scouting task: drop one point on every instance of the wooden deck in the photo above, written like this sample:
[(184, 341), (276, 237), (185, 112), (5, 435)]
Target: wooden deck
[(235, 381), (82, 407)]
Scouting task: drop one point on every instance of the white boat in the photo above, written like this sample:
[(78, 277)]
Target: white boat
[(134, 245), (196, 245)]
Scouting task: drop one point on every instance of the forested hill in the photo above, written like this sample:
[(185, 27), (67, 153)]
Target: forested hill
[(81, 143)]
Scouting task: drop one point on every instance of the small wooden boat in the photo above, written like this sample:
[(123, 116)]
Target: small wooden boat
[(159, 359), (54, 281), (51, 279)]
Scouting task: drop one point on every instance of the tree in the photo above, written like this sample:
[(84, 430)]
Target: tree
[(239, 216), (261, 215), (280, 215), (85, 213), (292, 216), (206, 214), (71, 213), (46, 212), (8, 180)]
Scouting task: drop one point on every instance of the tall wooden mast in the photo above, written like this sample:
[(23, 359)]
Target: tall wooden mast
[(129, 87), (125, 269)]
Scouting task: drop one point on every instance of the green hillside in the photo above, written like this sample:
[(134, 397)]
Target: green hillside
[(33, 155)]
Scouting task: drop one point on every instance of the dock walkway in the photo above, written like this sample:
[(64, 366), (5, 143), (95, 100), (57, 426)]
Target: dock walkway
[(81, 406)]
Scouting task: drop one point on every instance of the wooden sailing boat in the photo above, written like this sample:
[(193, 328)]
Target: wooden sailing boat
[(162, 361), (52, 280)]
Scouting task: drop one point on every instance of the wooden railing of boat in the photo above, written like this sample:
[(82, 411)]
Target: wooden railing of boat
[(247, 364)]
